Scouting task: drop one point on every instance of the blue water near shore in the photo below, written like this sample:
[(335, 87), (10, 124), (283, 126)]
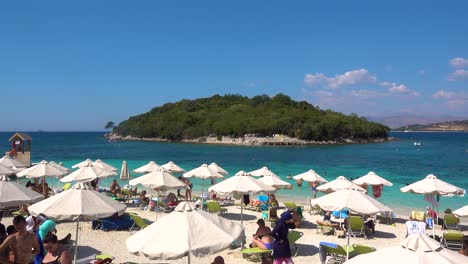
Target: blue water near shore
[(442, 154)]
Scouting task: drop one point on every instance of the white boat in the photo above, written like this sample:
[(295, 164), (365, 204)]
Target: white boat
[(417, 143)]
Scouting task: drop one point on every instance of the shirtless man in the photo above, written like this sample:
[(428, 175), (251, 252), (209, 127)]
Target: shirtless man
[(23, 243), (115, 187)]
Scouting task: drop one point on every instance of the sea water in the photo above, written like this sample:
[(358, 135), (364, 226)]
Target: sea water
[(442, 154)]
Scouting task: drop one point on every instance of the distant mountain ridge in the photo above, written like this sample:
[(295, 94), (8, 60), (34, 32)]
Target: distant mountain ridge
[(459, 125), (397, 121)]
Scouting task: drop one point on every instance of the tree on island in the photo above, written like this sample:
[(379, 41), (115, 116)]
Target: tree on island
[(109, 125)]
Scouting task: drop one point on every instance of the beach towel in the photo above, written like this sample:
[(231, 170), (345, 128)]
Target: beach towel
[(377, 190)]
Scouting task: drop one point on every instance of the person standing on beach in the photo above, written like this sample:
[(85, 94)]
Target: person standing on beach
[(23, 243), (281, 248), (188, 191)]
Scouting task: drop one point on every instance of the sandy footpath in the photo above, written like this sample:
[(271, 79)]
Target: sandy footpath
[(113, 243)]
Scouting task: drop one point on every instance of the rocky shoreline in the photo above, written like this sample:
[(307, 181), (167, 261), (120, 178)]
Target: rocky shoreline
[(275, 140)]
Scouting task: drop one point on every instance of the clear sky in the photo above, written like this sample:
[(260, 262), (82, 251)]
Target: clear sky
[(74, 65)]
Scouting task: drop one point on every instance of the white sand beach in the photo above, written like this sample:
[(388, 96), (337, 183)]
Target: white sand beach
[(113, 242)]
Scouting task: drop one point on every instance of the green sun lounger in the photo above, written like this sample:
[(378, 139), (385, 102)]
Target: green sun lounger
[(256, 252)]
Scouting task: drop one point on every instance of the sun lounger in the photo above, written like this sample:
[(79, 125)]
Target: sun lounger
[(332, 253), (452, 240), (418, 216), (214, 208), (290, 206), (360, 249), (138, 222), (356, 226), (316, 210), (122, 222), (256, 252), (327, 228), (451, 222)]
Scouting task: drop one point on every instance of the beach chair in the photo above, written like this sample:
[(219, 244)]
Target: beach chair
[(316, 210), (331, 253), (326, 228), (293, 236), (452, 240), (214, 208), (356, 226), (418, 216), (290, 206), (451, 222), (66, 186), (138, 222), (257, 253), (360, 249), (386, 217)]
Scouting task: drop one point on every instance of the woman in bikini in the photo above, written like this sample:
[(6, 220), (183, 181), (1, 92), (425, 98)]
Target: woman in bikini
[(266, 242), (56, 253)]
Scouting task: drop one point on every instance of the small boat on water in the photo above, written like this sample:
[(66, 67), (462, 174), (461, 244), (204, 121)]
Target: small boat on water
[(417, 143)]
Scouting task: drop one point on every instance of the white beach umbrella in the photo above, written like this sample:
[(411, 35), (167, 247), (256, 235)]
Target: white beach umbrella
[(263, 171), (101, 164), (355, 201), (203, 172), (198, 233), (276, 182), (42, 169), (14, 194), (124, 172), (87, 173), (84, 163), (60, 167), (218, 169), (372, 179), (340, 183), (241, 183), (7, 161), (4, 170), (434, 186), (461, 211), (310, 176), (147, 168), (80, 202), (159, 178), (172, 167), (416, 248)]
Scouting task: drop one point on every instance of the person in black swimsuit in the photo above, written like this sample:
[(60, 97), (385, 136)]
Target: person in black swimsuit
[(56, 253)]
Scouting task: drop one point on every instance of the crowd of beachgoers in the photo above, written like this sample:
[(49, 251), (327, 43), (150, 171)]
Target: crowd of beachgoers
[(158, 217)]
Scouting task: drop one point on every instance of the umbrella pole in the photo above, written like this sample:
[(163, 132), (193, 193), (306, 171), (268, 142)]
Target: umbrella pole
[(157, 206), (188, 258), (308, 200), (76, 236), (269, 200), (347, 247), (242, 212)]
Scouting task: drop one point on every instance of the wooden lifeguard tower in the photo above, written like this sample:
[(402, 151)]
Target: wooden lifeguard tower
[(20, 148)]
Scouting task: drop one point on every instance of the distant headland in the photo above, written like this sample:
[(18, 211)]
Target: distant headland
[(449, 126), (239, 120)]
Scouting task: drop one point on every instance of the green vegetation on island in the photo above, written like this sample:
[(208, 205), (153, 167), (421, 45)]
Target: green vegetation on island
[(236, 115), (461, 125)]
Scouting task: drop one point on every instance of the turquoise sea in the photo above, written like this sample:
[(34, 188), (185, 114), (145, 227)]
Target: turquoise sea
[(442, 154)]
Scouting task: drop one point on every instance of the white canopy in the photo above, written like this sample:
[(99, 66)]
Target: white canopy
[(203, 172), (263, 171), (159, 178), (185, 231), (461, 211), (172, 167), (84, 163), (59, 166), (241, 183), (101, 164), (355, 201), (275, 182), (416, 248), (432, 185), (372, 179), (42, 169), (151, 166), (310, 176), (218, 169), (87, 173), (10, 163), (80, 202), (14, 194), (341, 183), (124, 173), (4, 170)]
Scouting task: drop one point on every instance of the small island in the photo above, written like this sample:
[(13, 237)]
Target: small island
[(239, 120), (449, 126)]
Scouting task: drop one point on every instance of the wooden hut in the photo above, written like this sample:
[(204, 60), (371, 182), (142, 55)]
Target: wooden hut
[(21, 148)]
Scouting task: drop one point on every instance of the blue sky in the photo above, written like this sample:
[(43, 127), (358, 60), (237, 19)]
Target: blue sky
[(75, 66)]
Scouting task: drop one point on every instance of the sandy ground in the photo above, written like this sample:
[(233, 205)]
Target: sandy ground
[(113, 243)]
